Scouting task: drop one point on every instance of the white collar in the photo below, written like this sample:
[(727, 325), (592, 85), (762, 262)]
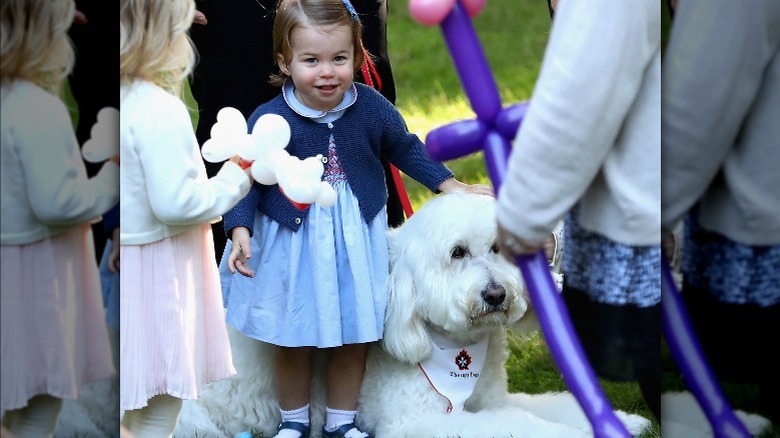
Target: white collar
[(318, 116)]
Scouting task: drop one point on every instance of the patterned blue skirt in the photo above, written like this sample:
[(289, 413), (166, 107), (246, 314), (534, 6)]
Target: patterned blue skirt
[(611, 272)]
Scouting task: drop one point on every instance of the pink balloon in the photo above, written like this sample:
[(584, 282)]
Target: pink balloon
[(433, 12), (474, 7), (430, 12)]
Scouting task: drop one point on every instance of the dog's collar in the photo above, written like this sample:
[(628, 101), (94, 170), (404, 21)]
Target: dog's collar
[(453, 372)]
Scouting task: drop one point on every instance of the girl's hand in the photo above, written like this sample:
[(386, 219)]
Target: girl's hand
[(240, 252), (452, 185), (113, 256), (244, 164)]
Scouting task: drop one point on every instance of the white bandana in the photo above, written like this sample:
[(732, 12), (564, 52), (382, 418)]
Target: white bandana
[(453, 372)]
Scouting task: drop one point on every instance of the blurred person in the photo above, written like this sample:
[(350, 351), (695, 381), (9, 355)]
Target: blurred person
[(596, 109), (54, 338), (173, 338)]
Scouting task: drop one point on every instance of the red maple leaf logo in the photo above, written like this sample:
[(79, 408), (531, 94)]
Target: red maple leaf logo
[(463, 360)]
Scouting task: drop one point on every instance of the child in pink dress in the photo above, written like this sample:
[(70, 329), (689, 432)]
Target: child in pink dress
[(173, 338), (54, 331)]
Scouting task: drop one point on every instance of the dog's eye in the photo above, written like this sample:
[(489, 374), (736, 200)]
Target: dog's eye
[(494, 248), (459, 252)]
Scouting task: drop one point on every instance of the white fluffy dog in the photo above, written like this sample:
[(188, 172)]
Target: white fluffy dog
[(439, 371)]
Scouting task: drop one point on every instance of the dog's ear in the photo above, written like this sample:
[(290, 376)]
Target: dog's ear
[(405, 337)]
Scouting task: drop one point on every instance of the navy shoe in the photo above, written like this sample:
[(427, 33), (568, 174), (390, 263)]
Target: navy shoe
[(341, 432), (294, 425)]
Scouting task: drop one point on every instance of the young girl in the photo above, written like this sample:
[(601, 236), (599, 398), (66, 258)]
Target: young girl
[(172, 333), (54, 332), (321, 272)]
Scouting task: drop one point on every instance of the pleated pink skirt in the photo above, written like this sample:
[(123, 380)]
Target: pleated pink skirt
[(173, 337), (54, 337)]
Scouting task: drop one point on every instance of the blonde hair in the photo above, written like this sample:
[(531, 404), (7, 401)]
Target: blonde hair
[(154, 44), (291, 14), (35, 43)]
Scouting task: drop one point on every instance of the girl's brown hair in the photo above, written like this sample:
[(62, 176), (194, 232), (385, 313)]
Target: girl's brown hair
[(291, 14)]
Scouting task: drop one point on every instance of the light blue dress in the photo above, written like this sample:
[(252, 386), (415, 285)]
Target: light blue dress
[(323, 285)]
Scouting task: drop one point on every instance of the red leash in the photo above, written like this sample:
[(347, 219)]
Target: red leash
[(372, 79)]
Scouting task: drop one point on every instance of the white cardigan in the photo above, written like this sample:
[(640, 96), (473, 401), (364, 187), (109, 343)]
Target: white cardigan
[(591, 139), (164, 187), (44, 186)]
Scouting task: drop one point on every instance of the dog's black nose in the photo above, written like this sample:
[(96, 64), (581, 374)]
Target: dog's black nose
[(494, 295)]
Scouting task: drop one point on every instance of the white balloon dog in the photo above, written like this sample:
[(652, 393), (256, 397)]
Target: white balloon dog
[(299, 180)]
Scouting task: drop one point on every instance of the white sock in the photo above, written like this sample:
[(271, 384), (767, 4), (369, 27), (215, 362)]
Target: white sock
[(37, 419), (300, 415), (336, 418), (156, 420)]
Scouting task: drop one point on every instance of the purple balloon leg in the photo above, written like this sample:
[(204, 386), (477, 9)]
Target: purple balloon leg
[(497, 150), (565, 348), (469, 60), (455, 140), (688, 355), (509, 119)]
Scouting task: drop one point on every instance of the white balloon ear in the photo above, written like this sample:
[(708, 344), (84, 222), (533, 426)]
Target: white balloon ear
[(231, 118), (228, 136), (271, 131), (102, 143), (214, 151)]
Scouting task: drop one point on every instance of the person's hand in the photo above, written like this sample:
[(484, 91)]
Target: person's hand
[(246, 165), (451, 185), (79, 17), (511, 246), (199, 18), (113, 256), (114, 159), (240, 252)]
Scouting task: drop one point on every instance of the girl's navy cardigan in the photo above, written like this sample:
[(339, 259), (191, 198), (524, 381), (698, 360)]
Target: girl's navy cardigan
[(369, 129)]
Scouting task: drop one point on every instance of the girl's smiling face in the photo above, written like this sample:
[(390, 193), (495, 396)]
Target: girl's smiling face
[(321, 66)]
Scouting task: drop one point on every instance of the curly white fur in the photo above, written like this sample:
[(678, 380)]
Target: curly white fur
[(446, 276)]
